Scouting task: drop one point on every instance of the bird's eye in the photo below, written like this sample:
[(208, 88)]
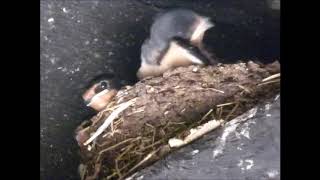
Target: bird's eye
[(103, 84)]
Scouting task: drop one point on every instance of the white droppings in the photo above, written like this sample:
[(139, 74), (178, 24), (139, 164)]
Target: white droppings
[(63, 69), (45, 38), (267, 107), (272, 173), (140, 178), (78, 21), (231, 127), (87, 42), (268, 115), (97, 55), (95, 39), (110, 53), (237, 135), (239, 148), (250, 164), (277, 97), (252, 112), (246, 164), (195, 69), (42, 132), (65, 10), (227, 131), (245, 132), (50, 20), (195, 152), (52, 60), (78, 69)]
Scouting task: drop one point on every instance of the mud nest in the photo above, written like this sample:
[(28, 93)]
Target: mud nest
[(160, 114)]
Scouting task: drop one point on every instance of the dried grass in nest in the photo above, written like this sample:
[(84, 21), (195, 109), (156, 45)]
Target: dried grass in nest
[(117, 161)]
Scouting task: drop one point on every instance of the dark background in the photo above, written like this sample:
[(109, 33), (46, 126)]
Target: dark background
[(81, 39)]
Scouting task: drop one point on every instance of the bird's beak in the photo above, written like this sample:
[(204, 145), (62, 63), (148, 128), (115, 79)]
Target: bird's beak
[(99, 101), (96, 97)]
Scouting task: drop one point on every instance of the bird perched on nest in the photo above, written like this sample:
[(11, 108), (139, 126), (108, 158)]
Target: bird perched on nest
[(176, 39)]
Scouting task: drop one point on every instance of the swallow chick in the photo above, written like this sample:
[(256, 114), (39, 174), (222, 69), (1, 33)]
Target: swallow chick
[(176, 39), (101, 90)]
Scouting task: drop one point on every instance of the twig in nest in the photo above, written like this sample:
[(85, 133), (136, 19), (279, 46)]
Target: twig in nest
[(109, 120), (269, 82), (271, 77), (244, 88), (225, 104), (117, 168), (219, 112), (232, 111), (149, 125), (112, 175), (82, 171), (115, 173), (216, 90), (96, 172), (195, 133), (125, 166), (101, 113), (116, 145), (213, 89), (154, 135), (203, 118), (141, 162), (206, 115), (128, 148), (152, 145)]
